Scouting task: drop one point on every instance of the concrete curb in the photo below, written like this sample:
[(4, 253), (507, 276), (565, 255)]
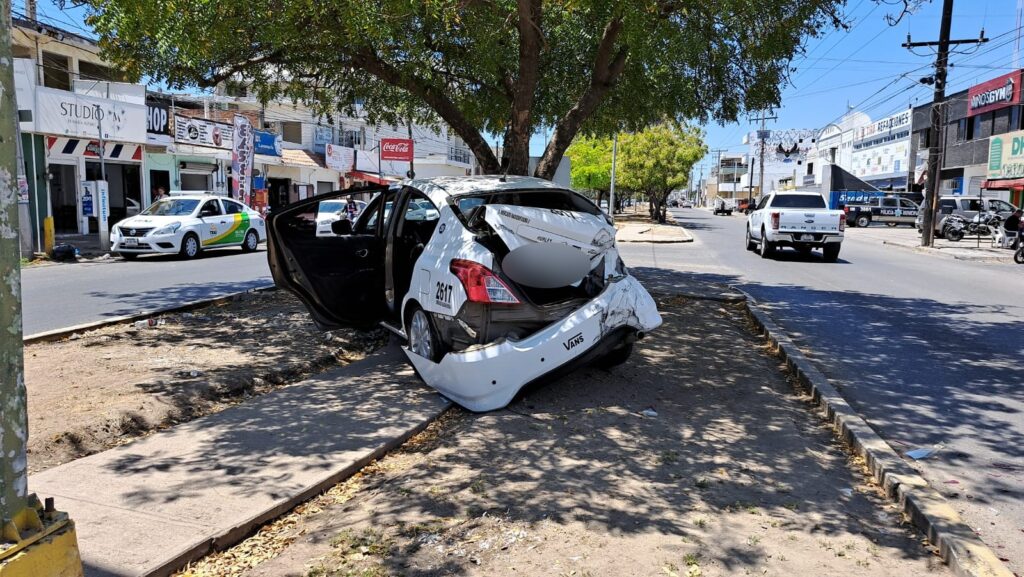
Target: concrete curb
[(938, 253), (958, 545), (236, 534), (58, 334)]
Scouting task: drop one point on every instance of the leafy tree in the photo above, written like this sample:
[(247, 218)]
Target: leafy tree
[(499, 67), (657, 160), (591, 166)]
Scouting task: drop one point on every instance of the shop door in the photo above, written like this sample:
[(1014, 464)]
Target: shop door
[(64, 198), (158, 179), (279, 189), (195, 181)]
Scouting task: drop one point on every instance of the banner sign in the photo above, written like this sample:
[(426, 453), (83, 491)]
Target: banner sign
[(157, 117), (396, 149), (1006, 156), (66, 113), (266, 143), (995, 94), (201, 132), (339, 158), (241, 159), (885, 126)]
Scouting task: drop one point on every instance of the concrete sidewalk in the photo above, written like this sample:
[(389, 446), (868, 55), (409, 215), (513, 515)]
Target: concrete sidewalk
[(149, 507), (909, 239), (651, 232)]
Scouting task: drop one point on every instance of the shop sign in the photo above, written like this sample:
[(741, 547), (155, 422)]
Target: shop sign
[(885, 126), (157, 117), (241, 159), (340, 158), (69, 114), (995, 94), (1006, 156), (202, 132), (396, 149), (266, 143), (322, 136)]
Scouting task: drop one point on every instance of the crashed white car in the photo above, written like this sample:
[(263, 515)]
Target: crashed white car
[(493, 282)]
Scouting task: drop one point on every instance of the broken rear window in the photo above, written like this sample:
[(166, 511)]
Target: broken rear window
[(550, 199)]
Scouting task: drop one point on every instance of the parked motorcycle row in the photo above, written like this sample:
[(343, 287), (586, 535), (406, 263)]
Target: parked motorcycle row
[(955, 226)]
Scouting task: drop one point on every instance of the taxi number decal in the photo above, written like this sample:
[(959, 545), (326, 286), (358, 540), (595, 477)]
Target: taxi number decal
[(443, 295)]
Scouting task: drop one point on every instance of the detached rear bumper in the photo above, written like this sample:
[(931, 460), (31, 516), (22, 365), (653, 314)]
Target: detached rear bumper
[(487, 377)]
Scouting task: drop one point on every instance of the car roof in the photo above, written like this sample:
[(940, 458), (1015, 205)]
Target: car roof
[(440, 188)]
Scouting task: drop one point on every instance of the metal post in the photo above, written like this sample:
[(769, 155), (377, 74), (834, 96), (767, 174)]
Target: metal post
[(611, 190), (13, 411)]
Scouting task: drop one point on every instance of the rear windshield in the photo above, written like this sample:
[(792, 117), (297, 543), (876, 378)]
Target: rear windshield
[(550, 199), (798, 201)]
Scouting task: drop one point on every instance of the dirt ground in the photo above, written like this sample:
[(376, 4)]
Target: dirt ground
[(695, 458), (105, 387)]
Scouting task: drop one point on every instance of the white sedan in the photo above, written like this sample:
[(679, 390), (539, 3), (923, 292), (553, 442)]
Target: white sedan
[(333, 210), (187, 225)]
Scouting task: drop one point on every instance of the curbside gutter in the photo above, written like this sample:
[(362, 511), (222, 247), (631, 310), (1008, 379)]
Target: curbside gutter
[(58, 334), (938, 252), (958, 545)]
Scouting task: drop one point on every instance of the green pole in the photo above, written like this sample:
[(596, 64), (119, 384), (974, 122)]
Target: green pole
[(13, 408)]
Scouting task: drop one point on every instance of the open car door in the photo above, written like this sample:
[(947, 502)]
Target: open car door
[(339, 277)]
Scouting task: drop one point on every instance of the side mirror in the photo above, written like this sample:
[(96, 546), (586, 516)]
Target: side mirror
[(341, 227)]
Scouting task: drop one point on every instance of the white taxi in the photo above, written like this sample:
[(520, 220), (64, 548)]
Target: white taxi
[(188, 224)]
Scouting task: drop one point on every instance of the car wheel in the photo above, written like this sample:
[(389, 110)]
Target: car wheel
[(252, 240), (127, 255), (767, 248), (615, 357), (423, 339), (863, 221), (190, 248), (751, 245), (831, 252)]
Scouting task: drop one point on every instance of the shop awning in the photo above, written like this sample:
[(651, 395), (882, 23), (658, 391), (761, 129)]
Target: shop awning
[(301, 159), (1004, 184), (357, 175)]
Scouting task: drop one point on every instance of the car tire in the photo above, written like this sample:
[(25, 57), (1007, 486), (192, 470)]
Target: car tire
[(251, 242), (863, 221), (751, 245), (830, 252), (422, 337), (767, 248), (615, 357), (128, 255), (190, 246)]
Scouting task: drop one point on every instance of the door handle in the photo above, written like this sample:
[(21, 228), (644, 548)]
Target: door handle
[(361, 253), (223, 222)]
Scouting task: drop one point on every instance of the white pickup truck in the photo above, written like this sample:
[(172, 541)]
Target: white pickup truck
[(801, 220)]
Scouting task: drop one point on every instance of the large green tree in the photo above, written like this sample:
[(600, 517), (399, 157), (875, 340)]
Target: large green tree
[(591, 166), (657, 160), (498, 67)]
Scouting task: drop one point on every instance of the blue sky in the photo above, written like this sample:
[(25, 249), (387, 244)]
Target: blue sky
[(864, 66)]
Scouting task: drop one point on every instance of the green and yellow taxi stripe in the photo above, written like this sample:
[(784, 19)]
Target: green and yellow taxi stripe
[(235, 234)]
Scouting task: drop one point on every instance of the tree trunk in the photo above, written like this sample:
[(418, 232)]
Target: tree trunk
[(608, 65), (517, 140)]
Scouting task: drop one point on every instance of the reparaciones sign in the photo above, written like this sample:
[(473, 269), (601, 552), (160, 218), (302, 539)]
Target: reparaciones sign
[(994, 94), (1006, 156)]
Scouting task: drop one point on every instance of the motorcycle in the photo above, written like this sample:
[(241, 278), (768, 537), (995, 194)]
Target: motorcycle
[(983, 224), (953, 227), (1018, 257)]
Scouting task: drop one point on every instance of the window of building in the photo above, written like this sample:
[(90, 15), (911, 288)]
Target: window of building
[(961, 130), (352, 138), (56, 71), (291, 132), (91, 71), (810, 168), (1014, 118)]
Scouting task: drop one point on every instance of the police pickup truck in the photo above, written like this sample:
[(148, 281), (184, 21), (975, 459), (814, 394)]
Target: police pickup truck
[(891, 210)]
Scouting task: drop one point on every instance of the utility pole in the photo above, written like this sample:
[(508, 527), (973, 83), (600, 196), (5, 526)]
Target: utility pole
[(24, 520), (762, 135), (935, 143)]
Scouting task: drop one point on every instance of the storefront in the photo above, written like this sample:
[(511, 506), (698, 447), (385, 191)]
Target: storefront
[(881, 152), (299, 175), (1005, 176)]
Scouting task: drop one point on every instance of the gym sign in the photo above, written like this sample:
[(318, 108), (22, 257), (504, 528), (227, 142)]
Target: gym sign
[(995, 94)]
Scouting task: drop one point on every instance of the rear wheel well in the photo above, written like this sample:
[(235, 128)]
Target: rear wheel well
[(407, 310)]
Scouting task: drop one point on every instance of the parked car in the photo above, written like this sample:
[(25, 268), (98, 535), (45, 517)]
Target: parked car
[(891, 210), (673, 203), (686, 204), (725, 206), (801, 220), (333, 210), (187, 225), (967, 207), (499, 283)]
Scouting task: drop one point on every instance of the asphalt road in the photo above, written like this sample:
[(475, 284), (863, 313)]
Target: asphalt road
[(63, 295), (929, 350)]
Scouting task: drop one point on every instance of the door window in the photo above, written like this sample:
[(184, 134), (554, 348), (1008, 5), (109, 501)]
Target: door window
[(973, 204), (889, 202), (1000, 206), (211, 208), (367, 223), (231, 207), (907, 203), (763, 203)]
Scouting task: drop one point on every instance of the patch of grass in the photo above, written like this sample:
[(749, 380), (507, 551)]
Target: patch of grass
[(700, 522), (702, 483), (792, 505), (668, 457), (753, 540), (691, 559), (479, 486), (367, 542)]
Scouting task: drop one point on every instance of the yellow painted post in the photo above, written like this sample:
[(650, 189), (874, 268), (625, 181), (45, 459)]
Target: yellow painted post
[(48, 235)]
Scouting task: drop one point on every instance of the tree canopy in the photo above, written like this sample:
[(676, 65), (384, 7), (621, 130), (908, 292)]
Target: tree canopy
[(658, 160), (497, 67), (591, 166)]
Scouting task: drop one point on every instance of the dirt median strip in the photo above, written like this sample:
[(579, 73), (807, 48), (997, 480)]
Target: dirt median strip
[(694, 458), (104, 387), (927, 508)]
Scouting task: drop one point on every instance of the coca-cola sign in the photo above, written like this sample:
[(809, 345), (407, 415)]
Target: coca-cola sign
[(396, 149)]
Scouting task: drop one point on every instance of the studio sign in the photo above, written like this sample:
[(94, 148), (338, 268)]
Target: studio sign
[(1002, 94)]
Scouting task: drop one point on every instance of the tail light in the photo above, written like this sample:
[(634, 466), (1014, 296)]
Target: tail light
[(481, 284), (842, 222), (775, 221)]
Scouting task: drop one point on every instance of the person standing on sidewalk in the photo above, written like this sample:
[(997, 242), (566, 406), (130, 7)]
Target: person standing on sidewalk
[(1012, 224)]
